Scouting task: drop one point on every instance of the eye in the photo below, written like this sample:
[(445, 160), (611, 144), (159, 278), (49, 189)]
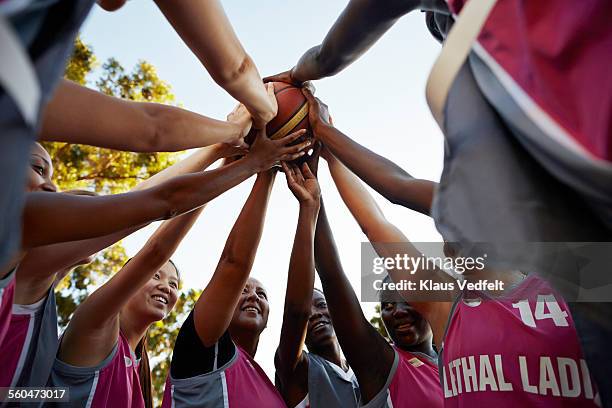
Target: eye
[(262, 295), (387, 306), (322, 305), (40, 170), (156, 276), (174, 285)]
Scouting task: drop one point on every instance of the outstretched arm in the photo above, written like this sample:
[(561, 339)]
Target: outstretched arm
[(55, 217), (289, 359), (214, 309), (132, 126), (354, 332), (204, 27), (38, 268), (360, 25), (389, 241), (94, 328), (384, 176)]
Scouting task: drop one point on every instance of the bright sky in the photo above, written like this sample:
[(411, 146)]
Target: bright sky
[(378, 101)]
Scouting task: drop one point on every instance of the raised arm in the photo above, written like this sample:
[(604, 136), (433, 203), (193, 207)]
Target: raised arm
[(54, 217), (204, 27), (94, 328), (389, 241), (132, 126), (354, 332), (384, 176), (214, 309), (289, 359), (359, 26), (39, 267)]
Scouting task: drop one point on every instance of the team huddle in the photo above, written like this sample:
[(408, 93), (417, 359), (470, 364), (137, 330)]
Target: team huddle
[(520, 346)]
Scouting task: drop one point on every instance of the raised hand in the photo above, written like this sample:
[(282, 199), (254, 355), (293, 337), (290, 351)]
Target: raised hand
[(303, 184), (241, 117), (318, 112), (267, 152), (283, 77)]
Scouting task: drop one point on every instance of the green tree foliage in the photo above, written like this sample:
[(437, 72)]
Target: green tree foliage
[(108, 172), (378, 324)]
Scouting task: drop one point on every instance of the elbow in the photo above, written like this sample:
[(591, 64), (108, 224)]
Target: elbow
[(231, 259), (156, 126), (227, 76)]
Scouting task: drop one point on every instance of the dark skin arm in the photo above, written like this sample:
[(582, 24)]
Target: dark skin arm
[(359, 26), (54, 217), (290, 361), (214, 309), (355, 333), (384, 176)]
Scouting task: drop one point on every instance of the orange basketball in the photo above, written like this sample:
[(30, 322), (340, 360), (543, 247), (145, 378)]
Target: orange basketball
[(292, 112)]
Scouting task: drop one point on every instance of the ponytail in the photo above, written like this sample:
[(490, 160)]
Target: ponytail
[(144, 371)]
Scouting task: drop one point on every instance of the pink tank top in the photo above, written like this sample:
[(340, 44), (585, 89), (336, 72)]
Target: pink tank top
[(7, 291), (416, 382), (518, 350)]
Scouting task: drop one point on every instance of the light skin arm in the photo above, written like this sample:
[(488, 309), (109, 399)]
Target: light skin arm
[(354, 332), (381, 233), (289, 360), (384, 176), (205, 28), (214, 309), (360, 25), (54, 217), (94, 328), (132, 126), (38, 268)]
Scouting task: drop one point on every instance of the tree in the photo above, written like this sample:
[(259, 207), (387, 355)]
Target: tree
[(108, 172)]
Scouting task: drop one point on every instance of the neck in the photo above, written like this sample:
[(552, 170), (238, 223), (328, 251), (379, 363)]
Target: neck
[(247, 340), (331, 352), (425, 347), (132, 328), (509, 278)]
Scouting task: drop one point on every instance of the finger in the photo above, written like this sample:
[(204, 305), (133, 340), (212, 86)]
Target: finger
[(306, 172), (271, 78), (298, 147), (310, 86), (309, 96), (288, 173), (299, 177), (290, 137), (291, 156)]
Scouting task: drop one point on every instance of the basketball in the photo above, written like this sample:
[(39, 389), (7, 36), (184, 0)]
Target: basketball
[(292, 112)]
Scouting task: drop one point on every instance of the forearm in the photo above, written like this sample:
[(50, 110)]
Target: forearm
[(354, 332), (126, 125), (54, 217), (196, 162), (205, 28), (384, 176), (215, 307), (358, 200), (301, 265), (359, 26)]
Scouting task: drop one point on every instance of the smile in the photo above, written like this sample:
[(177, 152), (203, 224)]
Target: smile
[(251, 309), (160, 299)]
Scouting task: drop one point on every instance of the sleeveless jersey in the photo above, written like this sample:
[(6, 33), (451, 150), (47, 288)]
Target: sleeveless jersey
[(112, 383), (7, 291), (517, 350), (329, 385), (240, 383), (413, 382), (27, 355)]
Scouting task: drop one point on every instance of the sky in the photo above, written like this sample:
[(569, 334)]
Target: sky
[(379, 101)]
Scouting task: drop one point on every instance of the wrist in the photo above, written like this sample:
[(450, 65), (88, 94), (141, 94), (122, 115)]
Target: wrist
[(310, 206)]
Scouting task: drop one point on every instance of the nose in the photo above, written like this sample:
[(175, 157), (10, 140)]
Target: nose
[(50, 187), (315, 314), (399, 311), (164, 287)]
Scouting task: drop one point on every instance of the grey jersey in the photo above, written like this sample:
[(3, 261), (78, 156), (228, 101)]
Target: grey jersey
[(329, 386)]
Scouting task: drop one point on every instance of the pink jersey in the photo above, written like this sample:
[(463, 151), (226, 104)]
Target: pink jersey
[(241, 383), (548, 55), (113, 383), (14, 347), (7, 291), (413, 381), (518, 350)]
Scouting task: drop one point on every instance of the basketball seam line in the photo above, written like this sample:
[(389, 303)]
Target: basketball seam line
[(292, 123)]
